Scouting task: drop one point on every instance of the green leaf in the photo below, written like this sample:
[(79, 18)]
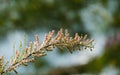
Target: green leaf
[(20, 47), (25, 64), (24, 40), (15, 71)]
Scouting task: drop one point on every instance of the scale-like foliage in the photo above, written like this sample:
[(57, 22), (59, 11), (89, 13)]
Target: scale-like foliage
[(35, 49)]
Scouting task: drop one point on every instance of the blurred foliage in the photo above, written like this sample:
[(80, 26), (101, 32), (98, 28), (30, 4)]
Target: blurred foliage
[(40, 64), (112, 52), (28, 15)]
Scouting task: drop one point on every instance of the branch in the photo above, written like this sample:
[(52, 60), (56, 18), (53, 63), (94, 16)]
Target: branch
[(35, 49)]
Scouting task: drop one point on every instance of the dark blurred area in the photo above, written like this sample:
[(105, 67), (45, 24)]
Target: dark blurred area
[(100, 19)]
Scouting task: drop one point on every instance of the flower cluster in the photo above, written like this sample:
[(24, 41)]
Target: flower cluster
[(35, 49)]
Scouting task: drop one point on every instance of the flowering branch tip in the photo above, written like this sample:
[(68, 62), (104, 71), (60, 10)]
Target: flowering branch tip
[(37, 49)]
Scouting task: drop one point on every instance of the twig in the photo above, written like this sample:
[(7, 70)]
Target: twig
[(35, 49)]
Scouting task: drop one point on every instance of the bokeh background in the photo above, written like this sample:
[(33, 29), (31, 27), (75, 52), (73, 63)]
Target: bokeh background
[(100, 19)]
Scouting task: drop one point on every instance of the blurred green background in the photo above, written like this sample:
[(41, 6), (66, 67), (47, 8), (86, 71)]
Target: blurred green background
[(100, 19)]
